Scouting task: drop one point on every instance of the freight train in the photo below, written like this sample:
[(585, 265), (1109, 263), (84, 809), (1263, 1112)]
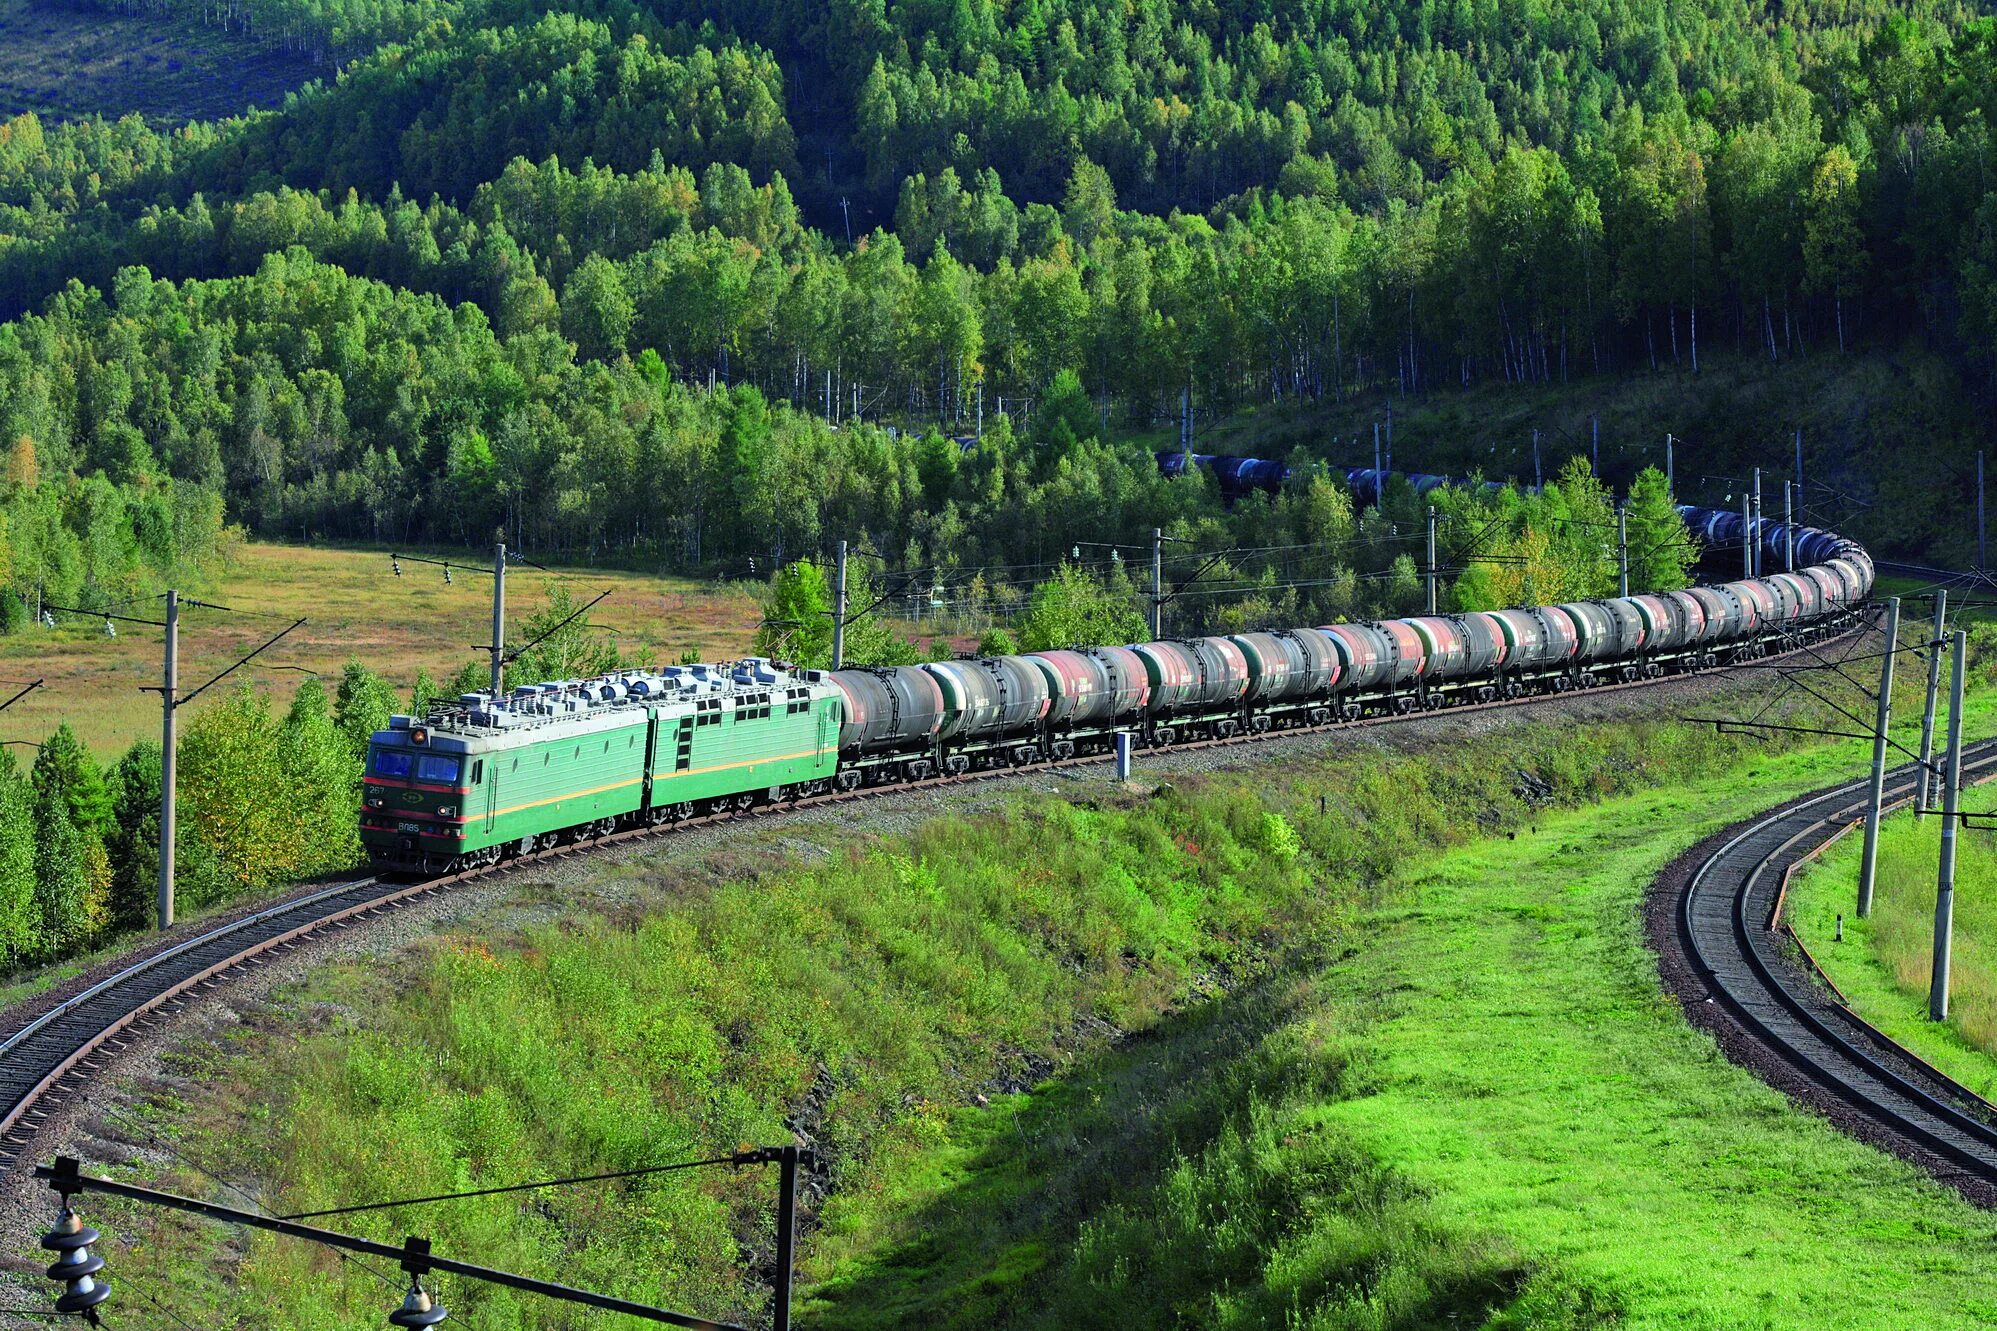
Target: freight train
[(488, 776)]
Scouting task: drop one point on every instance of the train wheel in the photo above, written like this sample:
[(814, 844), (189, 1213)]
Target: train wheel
[(1404, 705), (957, 764), (849, 779)]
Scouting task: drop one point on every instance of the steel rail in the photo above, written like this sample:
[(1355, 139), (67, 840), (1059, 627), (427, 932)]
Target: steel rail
[(1729, 923), (50, 1057)]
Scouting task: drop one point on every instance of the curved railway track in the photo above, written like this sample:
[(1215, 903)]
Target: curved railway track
[(1740, 956), (48, 1059)]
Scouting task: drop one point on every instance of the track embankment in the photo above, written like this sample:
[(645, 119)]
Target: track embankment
[(53, 1047)]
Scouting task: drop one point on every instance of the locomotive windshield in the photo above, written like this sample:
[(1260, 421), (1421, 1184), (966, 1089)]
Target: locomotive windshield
[(400, 764), (392, 762)]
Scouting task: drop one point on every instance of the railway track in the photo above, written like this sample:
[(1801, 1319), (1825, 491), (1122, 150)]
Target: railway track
[(46, 1062), (1729, 925)]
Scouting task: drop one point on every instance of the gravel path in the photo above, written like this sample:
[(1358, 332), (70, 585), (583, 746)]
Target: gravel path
[(99, 1128)]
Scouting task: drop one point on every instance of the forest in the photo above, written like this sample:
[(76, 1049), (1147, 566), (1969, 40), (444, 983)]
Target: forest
[(533, 271), (707, 288)]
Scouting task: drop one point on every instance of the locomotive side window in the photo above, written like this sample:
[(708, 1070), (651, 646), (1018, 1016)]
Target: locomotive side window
[(478, 772), (392, 762)]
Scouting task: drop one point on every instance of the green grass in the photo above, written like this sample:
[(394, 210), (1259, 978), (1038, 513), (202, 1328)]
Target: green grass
[(1380, 1066), (1481, 1110), (65, 62), (1884, 963)]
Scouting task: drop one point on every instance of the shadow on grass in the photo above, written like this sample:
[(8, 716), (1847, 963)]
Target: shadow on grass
[(1187, 1177)]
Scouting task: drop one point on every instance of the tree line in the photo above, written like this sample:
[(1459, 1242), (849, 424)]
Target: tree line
[(268, 799)]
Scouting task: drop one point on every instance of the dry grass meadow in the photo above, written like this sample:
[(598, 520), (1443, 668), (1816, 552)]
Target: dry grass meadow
[(355, 607)]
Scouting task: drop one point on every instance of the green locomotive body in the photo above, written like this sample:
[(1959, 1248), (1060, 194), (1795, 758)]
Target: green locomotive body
[(488, 776)]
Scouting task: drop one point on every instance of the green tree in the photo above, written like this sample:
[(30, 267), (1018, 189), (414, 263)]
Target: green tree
[(236, 795), (422, 693), (62, 876), (19, 912), (1088, 208), (1834, 257), (1661, 550), (569, 646), (362, 705), (323, 782), (797, 617), (597, 311), (1074, 606), (134, 841), (65, 768), (1066, 415)]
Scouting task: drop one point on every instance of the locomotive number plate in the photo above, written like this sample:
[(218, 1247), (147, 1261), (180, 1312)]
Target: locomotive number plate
[(409, 827)]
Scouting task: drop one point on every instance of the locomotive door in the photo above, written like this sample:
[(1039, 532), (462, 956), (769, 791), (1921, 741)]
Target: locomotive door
[(491, 791)]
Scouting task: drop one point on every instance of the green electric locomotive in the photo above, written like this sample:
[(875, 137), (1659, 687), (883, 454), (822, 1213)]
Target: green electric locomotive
[(471, 782)]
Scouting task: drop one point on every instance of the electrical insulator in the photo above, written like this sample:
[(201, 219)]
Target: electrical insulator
[(76, 1266), (396, 564), (447, 575), (418, 1309), (110, 629)]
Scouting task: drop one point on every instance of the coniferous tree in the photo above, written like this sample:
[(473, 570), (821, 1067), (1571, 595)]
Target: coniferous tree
[(361, 706), (134, 841), (62, 877), (20, 923)]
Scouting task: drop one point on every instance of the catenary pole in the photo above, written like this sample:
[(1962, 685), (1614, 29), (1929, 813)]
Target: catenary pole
[(1158, 582), (1538, 482), (1788, 526), (786, 1236), (1746, 534), (1622, 549), (1379, 473), (1754, 531), (1869, 863), (169, 700), (498, 619), (1670, 472), (1982, 559), (1924, 785), (1431, 559), (839, 612), (1945, 879)]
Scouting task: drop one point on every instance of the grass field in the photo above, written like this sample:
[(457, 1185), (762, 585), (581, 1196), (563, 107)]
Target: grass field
[(65, 62), (356, 608), (1403, 1063), (1883, 965)]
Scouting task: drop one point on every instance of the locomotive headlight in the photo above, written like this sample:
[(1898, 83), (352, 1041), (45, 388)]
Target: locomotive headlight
[(374, 801), (447, 810)]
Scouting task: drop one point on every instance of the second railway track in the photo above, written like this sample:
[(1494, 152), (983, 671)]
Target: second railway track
[(1793, 1028)]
